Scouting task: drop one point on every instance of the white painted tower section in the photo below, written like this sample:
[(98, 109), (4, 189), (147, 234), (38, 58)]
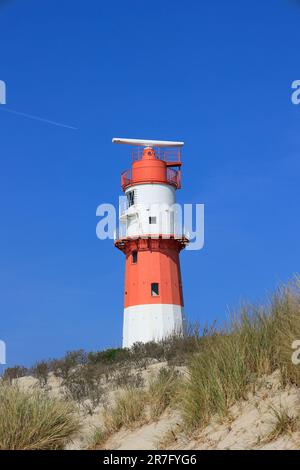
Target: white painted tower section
[(151, 322), (149, 200)]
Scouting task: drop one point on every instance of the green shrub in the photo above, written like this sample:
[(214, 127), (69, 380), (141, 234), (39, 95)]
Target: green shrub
[(63, 367), (41, 371), (84, 384), (14, 373), (109, 356), (125, 377)]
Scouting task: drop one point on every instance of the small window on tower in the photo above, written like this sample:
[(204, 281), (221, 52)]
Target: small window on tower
[(130, 198), (152, 220), (134, 256), (154, 289)]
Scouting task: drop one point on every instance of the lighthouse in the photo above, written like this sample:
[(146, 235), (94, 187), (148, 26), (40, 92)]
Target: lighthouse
[(153, 299)]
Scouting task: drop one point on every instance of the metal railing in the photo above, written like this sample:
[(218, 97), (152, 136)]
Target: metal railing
[(173, 177), (167, 154), (126, 178)]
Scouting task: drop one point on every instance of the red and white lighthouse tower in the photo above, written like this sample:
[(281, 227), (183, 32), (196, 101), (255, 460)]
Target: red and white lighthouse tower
[(153, 300)]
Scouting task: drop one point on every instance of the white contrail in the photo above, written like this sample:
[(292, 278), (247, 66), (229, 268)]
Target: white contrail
[(37, 118)]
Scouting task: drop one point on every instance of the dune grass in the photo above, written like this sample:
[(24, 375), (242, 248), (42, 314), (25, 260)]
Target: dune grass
[(30, 420), (257, 341), (134, 406), (98, 437), (283, 423), (163, 391), (128, 411)]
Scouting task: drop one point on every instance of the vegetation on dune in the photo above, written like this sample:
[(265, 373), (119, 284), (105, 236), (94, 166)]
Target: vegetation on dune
[(127, 411), (256, 342), (222, 365), (41, 372), (283, 423), (84, 376), (15, 372), (163, 391), (134, 406), (113, 364), (31, 420)]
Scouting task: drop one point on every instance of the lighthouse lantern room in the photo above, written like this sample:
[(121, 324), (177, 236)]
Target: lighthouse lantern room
[(153, 300)]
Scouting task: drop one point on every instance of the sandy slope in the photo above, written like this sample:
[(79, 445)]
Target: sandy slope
[(146, 437), (248, 425)]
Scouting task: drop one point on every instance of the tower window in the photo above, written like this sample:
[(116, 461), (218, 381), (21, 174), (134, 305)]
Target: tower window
[(134, 257), (130, 198), (152, 220), (154, 289)]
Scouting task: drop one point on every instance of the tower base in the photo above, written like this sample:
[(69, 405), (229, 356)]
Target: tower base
[(151, 322)]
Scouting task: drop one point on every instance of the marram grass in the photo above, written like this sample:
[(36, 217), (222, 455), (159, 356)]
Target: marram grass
[(31, 420), (228, 362)]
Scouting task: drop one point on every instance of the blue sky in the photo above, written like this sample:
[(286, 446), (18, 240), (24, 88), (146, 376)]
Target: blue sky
[(212, 73)]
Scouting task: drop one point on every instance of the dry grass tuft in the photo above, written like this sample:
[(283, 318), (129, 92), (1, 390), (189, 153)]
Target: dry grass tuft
[(128, 411), (163, 391), (33, 420), (98, 438), (284, 423)]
